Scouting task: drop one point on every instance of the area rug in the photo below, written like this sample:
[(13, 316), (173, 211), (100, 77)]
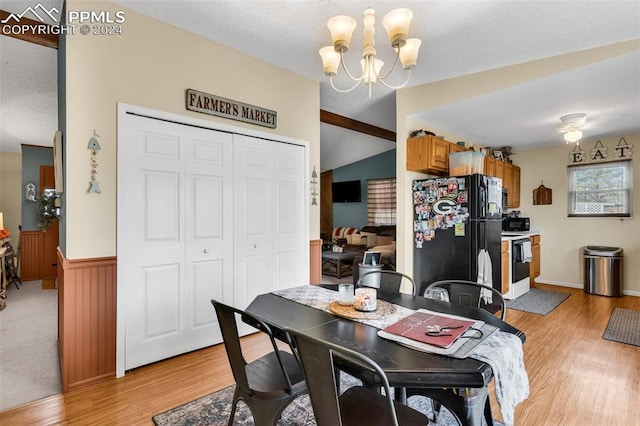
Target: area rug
[(538, 301), (623, 327), (214, 409)]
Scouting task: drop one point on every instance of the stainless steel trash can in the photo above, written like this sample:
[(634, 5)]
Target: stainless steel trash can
[(371, 280), (603, 270)]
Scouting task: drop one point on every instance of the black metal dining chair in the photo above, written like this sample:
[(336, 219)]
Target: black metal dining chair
[(459, 401), (268, 384), (357, 405), (386, 280), (469, 293)]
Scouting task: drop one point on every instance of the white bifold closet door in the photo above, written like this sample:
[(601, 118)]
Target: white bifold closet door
[(202, 214)]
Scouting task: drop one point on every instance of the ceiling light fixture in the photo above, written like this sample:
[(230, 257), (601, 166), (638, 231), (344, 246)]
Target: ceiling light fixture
[(572, 125), (395, 22)]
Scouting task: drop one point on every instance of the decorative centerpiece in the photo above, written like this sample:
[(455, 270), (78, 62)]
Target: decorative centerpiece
[(365, 300)]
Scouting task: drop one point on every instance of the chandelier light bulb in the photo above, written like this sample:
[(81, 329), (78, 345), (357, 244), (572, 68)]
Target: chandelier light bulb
[(397, 24), (409, 53), (341, 28), (330, 60)]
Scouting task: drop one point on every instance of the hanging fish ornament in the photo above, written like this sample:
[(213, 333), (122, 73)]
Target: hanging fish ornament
[(94, 146)]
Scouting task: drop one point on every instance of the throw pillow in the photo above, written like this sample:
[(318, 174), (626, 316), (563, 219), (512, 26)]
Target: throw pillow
[(371, 238), (357, 239)]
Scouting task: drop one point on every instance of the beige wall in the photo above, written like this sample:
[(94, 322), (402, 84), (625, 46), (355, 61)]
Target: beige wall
[(413, 100), (11, 192), (151, 65), (562, 237)]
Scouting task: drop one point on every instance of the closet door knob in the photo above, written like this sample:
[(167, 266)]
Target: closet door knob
[(206, 251)]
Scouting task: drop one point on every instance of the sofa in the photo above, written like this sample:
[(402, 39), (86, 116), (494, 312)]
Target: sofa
[(380, 238), (354, 239)]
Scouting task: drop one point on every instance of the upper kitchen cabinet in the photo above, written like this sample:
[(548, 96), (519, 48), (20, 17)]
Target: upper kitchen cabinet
[(428, 154), (511, 181), (510, 175), (493, 167), (489, 166)]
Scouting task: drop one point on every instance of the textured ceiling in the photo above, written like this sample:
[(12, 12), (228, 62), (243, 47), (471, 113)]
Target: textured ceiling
[(459, 38)]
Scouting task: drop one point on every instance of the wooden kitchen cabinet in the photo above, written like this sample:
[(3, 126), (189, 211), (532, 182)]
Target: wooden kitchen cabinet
[(505, 267), (493, 167), (454, 147), (489, 166), (499, 171), (428, 154), (511, 181), (534, 267)]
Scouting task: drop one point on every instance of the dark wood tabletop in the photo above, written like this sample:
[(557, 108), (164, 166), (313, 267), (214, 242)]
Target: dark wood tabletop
[(404, 366)]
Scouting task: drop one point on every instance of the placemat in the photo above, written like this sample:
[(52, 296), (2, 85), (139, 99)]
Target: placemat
[(348, 311)]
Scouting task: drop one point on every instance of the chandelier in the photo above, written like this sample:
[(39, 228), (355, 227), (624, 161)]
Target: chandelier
[(395, 22), (572, 127)]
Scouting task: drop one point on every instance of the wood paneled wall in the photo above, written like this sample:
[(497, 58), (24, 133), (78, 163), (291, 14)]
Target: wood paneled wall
[(86, 320), (31, 246), (315, 263)]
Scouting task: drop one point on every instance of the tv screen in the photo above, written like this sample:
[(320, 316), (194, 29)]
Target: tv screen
[(346, 192)]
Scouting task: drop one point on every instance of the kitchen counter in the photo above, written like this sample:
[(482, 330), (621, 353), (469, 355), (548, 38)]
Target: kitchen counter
[(511, 235)]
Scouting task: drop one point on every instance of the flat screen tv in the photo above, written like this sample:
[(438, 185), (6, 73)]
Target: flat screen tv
[(347, 192)]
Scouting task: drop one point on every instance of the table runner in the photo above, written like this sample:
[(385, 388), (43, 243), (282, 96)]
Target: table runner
[(502, 351)]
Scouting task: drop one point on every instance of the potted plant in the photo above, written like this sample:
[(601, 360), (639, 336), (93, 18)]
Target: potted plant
[(48, 211)]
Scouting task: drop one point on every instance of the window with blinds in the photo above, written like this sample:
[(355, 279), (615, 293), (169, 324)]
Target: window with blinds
[(381, 201), (600, 189)]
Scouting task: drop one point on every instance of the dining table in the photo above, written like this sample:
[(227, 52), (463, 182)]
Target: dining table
[(405, 367)]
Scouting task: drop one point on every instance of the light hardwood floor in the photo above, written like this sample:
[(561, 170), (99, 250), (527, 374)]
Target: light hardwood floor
[(576, 377)]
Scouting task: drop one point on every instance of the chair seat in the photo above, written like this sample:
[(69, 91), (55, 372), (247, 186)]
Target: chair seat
[(265, 376), (360, 406)]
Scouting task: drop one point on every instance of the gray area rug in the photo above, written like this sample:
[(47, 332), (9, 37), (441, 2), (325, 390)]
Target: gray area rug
[(623, 327), (214, 409), (538, 301), (29, 363)]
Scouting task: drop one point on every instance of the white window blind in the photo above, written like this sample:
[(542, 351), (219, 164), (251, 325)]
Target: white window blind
[(381, 201), (600, 189)]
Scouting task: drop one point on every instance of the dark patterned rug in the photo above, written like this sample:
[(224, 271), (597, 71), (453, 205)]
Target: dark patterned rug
[(623, 327), (214, 409), (538, 301)]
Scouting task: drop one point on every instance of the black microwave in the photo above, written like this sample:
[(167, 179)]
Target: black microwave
[(515, 224)]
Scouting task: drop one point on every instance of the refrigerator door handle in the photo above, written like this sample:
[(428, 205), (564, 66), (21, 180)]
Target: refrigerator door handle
[(482, 203)]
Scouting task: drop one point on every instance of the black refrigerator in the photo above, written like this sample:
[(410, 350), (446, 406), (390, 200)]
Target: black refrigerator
[(457, 226)]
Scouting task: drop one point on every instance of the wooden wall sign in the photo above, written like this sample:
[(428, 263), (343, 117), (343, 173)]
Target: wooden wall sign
[(542, 195), (599, 152), (228, 108), (577, 155), (623, 149)]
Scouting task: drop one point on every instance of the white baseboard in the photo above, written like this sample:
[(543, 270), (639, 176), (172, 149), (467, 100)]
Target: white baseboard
[(558, 283), (574, 285)]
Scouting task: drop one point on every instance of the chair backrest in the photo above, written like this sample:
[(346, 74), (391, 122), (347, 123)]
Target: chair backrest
[(386, 280), (227, 320), (470, 293), (318, 359)]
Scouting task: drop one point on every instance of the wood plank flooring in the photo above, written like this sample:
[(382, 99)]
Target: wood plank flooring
[(576, 377)]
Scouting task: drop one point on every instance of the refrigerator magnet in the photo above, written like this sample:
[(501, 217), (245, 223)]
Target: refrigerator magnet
[(459, 229)]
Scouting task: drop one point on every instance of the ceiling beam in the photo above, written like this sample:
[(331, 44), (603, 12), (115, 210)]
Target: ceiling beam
[(48, 39), (355, 125)]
